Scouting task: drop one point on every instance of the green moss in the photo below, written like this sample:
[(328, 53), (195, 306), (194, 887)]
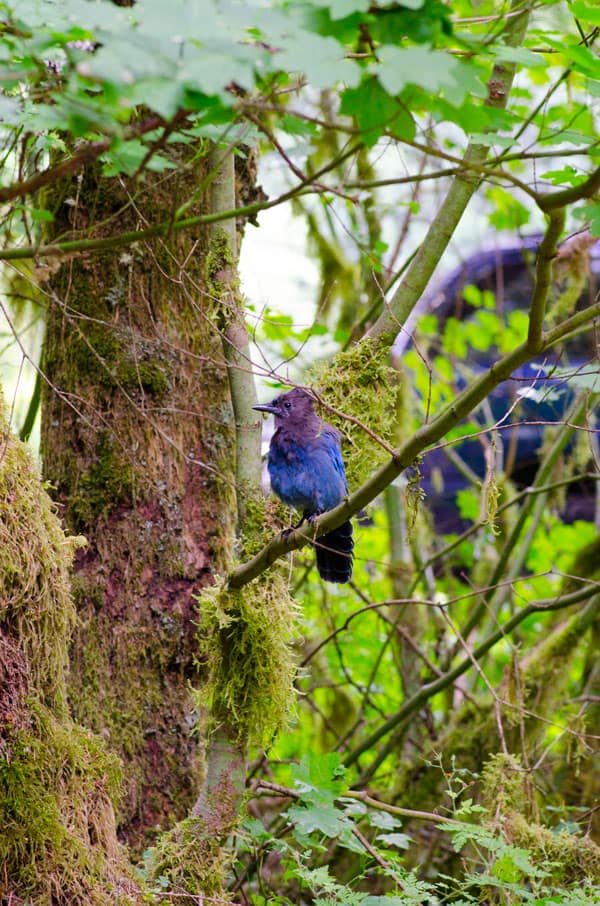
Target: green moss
[(262, 519), (143, 710), (570, 859), (150, 376), (361, 383), (107, 482), (544, 675), (52, 836), (57, 782), (244, 641), (117, 358), (187, 859), (35, 557), (219, 267), (503, 785), (467, 741), (586, 565)]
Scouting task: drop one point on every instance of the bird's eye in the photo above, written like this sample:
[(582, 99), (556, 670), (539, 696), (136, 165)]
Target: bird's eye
[(287, 404)]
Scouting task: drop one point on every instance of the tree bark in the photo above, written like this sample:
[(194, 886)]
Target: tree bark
[(136, 439), (58, 845)]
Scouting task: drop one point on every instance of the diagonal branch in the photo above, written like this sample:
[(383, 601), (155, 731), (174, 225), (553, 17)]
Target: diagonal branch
[(427, 435), (88, 153), (163, 229), (453, 207), (413, 704)]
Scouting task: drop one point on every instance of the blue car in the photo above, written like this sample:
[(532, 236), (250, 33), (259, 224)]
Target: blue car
[(536, 394)]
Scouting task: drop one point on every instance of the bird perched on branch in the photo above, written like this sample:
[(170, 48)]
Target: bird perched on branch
[(307, 472)]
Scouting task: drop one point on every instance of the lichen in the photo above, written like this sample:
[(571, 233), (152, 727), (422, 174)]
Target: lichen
[(244, 643), (219, 264)]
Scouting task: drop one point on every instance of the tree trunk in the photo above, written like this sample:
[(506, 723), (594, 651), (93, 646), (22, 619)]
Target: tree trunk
[(58, 844), (137, 439)]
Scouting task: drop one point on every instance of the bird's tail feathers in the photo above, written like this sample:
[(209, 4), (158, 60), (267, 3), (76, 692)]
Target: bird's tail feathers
[(334, 554)]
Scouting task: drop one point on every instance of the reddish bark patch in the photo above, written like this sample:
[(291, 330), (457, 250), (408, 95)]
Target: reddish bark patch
[(14, 682)]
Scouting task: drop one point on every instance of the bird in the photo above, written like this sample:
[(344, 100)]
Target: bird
[(307, 472)]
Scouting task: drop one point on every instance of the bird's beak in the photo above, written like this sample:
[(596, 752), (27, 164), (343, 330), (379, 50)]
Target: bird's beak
[(267, 408)]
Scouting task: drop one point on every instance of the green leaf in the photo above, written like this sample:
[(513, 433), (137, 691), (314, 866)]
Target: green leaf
[(582, 57), (319, 778), (567, 175), (479, 298), (520, 56), (513, 864), (295, 125), (585, 11), (401, 841), (492, 139), (164, 96), (376, 112), (469, 505), (326, 819), (40, 215), (339, 9), (591, 213), (509, 213), (433, 70), (126, 157), (421, 22), (384, 820), (321, 59)]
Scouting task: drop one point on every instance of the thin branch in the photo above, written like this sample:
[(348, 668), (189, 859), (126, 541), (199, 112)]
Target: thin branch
[(424, 437), (163, 229), (443, 682), (543, 279), (88, 153), (460, 193)]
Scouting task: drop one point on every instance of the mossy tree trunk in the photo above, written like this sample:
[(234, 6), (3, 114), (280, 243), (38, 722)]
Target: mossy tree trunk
[(138, 441), (58, 782)]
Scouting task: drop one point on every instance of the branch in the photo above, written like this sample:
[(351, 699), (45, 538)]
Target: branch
[(427, 435), (430, 689), (586, 189), (85, 155), (361, 796), (222, 260), (543, 278), (162, 229), (460, 193)]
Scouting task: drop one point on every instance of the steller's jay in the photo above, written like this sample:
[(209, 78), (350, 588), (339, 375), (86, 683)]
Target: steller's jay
[(307, 473)]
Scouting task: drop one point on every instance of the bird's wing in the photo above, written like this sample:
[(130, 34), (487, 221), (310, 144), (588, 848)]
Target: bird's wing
[(336, 454)]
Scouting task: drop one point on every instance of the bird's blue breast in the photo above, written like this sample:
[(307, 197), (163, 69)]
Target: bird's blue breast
[(307, 474)]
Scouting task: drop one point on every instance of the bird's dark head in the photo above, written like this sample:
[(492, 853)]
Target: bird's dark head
[(294, 406)]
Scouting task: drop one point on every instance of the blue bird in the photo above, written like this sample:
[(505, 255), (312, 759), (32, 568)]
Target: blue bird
[(307, 472)]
